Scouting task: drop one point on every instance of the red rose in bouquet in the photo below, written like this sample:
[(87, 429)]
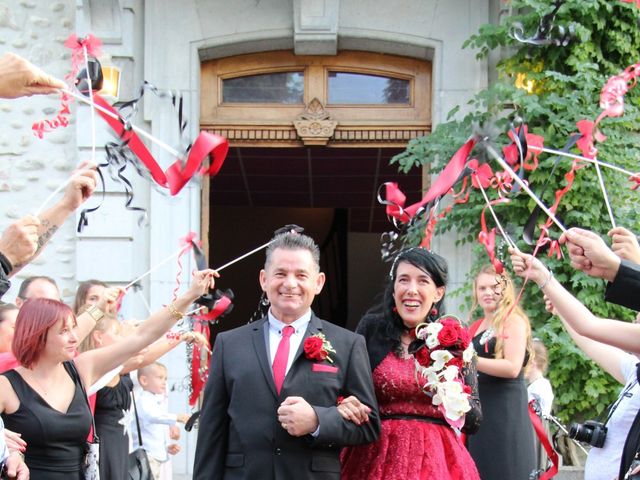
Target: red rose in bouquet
[(448, 335), (464, 338), (456, 362), (314, 349), (423, 357)]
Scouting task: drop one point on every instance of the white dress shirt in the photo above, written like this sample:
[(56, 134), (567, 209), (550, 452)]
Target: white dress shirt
[(275, 328), (275, 335)]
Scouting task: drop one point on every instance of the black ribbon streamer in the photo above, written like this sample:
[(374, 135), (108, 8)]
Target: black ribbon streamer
[(192, 421), (118, 153), (544, 33), (94, 77)]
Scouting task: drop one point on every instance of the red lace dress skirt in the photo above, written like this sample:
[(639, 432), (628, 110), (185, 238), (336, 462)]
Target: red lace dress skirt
[(408, 449)]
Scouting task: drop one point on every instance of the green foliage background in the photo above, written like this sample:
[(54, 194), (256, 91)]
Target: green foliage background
[(568, 81)]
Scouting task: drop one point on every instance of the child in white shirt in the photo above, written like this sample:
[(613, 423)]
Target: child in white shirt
[(154, 417), (539, 387)]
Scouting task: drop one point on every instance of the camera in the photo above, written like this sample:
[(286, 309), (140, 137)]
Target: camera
[(591, 432)]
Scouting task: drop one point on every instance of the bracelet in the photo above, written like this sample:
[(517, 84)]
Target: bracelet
[(174, 312), (94, 312), (544, 284)]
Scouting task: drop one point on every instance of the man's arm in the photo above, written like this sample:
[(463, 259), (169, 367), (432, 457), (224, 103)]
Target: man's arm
[(19, 78), (19, 242), (213, 433), (589, 253), (81, 185), (334, 429)]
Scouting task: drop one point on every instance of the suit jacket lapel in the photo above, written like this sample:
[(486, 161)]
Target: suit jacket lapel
[(315, 326), (260, 346)]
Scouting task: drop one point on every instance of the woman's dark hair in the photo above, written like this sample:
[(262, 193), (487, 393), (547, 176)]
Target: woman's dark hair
[(381, 324), (83, 291)]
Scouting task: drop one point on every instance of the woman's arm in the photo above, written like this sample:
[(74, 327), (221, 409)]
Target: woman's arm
[(607, 357), (87, 319), (95, 363), (623, 335), (158, 348), (514, 337)]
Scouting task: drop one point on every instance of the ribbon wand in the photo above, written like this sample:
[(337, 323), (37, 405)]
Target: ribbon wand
[(241, 257), (286, 229), (154, 268), (524, 186), (179, 252), (597, 164), (495, 218), (605, 195), (138, 130), (580, 157)]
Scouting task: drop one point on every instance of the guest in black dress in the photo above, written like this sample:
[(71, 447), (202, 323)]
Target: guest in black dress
[(41, 399), (503, 447)]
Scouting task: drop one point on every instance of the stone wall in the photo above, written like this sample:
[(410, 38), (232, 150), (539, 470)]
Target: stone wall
[(31, 168)]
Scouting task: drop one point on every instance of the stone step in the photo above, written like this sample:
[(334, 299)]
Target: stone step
[(570, 473)]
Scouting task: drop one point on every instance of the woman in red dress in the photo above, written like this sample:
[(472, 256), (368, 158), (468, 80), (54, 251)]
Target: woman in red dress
[(415, 443)]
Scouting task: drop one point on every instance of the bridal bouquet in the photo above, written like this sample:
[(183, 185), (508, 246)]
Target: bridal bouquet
[(445, 349)]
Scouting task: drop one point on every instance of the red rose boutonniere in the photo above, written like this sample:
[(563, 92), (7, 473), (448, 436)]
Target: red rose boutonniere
[(318, 348)]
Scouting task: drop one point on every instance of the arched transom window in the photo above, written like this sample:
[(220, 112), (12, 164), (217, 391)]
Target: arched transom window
[(351, 99)]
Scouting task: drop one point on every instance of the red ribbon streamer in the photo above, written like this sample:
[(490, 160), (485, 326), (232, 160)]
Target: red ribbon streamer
[(199, 369), (177, 175), (186, 243), (544, 441), (488, 240), (442, 185), (512, 154), (77, 46)]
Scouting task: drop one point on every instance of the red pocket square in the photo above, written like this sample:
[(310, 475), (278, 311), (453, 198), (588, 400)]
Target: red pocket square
[(318, 367)]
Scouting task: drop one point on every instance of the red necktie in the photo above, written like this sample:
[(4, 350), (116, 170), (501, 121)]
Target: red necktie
[(282, 357)]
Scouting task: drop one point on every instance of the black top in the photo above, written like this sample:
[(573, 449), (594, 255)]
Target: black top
[(112, 424), (623, 290), (503, 447), (55, 440)]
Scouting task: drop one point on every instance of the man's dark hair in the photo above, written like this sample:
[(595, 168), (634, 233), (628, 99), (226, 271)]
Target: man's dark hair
[(29, 280), (293, 241)]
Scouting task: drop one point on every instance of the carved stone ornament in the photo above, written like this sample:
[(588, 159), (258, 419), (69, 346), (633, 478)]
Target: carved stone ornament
[(314, 126)]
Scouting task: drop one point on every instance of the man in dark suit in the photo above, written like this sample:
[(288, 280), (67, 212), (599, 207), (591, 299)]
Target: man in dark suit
[(269, 410)]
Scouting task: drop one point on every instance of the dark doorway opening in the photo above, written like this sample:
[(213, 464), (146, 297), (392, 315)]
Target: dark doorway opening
[(332, 193)]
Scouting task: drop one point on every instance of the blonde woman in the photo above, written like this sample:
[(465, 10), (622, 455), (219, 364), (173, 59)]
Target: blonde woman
[(502, 339), (113, 400)]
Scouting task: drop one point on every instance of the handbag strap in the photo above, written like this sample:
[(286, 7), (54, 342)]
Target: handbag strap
[(135, 411), (78, 379)]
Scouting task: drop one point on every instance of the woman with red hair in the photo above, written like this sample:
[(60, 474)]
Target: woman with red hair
[(43, 398)]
